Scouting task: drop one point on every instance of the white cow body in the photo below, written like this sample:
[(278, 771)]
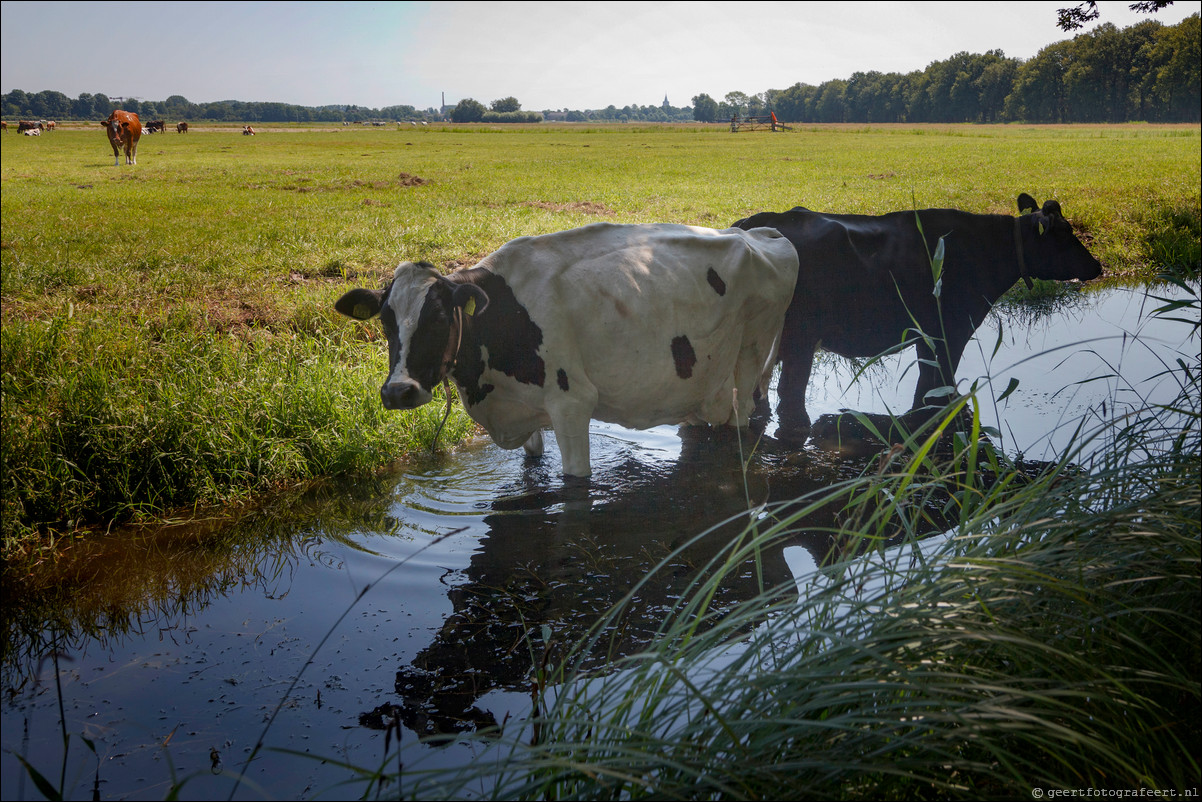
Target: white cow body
[(638, 325)]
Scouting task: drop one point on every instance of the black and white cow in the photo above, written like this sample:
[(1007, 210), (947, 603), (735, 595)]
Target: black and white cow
[(865, 284), (638, 325)]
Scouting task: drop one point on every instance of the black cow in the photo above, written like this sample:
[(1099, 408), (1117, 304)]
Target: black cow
[(866, 283)]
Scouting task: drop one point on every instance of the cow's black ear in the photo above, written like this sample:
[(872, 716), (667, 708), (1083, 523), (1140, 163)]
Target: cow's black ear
[(471, 298), (360, 304), (1026, 203), (1052, 209)]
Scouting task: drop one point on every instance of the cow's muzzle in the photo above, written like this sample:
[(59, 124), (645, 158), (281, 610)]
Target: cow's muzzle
[(403, 394)]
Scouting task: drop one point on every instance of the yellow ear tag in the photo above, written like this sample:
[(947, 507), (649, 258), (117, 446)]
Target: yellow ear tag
[(470, 307), (1041, 229), (362, 311)]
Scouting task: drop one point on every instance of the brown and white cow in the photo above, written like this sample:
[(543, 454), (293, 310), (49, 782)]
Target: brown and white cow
[(865, 285), (28, 125), (124, 129), (247, 131), (50, 125), (181, 128), (638, 325)]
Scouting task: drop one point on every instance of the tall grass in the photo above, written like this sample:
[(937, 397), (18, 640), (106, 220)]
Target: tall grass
[(106, 421), (1049, 641)]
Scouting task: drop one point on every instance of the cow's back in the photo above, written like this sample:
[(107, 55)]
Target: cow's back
[(658, 318), (865, 279)]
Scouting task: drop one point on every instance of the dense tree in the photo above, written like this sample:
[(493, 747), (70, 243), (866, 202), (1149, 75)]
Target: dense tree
[(830, 105), (1039, 86), (51, 105), (736, 102), (505, 105), (468, 111), (1176, 66), (102, 107)]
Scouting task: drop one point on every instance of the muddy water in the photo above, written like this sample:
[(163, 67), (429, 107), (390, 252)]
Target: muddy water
[(432, 593)]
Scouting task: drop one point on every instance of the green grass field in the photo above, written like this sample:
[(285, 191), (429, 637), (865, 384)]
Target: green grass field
[(168, 333)]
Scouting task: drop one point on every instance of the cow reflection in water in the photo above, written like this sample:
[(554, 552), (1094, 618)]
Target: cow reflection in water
[(560, 562)]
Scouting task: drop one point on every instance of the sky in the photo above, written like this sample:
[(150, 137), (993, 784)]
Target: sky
[(549, 55)]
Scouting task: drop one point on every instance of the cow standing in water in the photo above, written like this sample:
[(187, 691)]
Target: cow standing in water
[(124, 129), (865, 285), (638, 325)]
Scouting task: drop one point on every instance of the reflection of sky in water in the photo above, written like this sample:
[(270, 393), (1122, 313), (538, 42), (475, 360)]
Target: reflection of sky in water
[(1098, 356)]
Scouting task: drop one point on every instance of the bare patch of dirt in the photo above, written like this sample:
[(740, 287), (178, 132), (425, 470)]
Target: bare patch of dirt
[(581, 207), (407, 180), (465, 262)]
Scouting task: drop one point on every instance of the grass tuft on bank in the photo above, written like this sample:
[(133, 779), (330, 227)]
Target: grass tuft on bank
[(109, 421)]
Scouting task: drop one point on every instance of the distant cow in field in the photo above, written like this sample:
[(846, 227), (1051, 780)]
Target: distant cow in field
[(50, 126), (3, 126), (32, 132), (248, 131), (865, 285), (26, 125), (638, 325), (156, 126), (181, 128), (123, 129)]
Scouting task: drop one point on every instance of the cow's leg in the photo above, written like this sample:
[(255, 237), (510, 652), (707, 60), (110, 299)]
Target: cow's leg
[(792, 420), (936, 369), (572, 436), (570, 413), (534, 445)]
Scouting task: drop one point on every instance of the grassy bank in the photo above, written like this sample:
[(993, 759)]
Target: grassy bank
[(168, 337)]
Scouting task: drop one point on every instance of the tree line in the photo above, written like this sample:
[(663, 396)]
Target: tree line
[(1148, 72), (51, 105)]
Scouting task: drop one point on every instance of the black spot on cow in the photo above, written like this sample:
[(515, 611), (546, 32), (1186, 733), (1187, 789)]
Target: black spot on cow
[(561, 378), (504, 329), (683, 356), (716, 281)]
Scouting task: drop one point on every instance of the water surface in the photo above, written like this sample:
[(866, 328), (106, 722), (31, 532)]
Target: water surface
[(434, 593)]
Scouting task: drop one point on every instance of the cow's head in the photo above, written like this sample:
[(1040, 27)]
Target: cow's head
[(117, 130), (1050, 246), (421, 313)]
